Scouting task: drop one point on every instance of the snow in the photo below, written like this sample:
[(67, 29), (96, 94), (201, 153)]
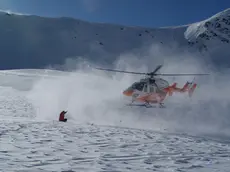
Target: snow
[(102, 133), (194, 30), (61, 147)]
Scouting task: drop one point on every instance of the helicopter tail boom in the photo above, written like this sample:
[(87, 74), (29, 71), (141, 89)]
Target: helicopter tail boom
[(188, 87)]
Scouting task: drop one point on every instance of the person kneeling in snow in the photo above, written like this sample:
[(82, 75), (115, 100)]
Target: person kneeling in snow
[(62, 116)]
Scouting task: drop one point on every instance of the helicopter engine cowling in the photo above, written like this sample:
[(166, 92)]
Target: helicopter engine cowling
[(170, 89)]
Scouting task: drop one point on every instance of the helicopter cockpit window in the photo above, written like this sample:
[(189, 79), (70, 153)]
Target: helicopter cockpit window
[(138, 85)]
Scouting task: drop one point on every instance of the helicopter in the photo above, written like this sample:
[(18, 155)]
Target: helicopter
[(152, 90)]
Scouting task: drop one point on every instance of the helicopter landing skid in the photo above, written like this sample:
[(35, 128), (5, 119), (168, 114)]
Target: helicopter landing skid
[(147, 105), (142, 105), (161, 105)]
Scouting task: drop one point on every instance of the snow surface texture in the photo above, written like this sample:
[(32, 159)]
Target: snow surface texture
[(40, 42)]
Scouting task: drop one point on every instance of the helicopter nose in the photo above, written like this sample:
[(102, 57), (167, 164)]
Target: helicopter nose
[(128, 92)]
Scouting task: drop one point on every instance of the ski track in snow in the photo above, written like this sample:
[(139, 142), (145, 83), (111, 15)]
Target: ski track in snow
[(27, 144)]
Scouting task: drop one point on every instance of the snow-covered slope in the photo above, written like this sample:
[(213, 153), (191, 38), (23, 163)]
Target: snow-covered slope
[(35, 42), (215, 28), (212, 35)]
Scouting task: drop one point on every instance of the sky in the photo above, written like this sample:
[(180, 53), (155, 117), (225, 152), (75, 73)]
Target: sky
[(146, 13)]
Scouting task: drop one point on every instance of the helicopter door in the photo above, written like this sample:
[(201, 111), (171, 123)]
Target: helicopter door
[(145, 88), (148, 88), (151, 89)]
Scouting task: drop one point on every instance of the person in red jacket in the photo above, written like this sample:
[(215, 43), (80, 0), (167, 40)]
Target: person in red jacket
[(62, 116)]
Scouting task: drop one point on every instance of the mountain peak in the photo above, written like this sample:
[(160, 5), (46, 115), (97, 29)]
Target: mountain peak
[(213, 32)]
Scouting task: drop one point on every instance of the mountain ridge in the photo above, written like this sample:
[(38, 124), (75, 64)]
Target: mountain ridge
[(38, 42)]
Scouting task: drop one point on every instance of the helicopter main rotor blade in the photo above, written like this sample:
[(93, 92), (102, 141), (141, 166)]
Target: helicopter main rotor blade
[(139, 73), (150, 73), (157, 68), (122, 71), (181, 74)]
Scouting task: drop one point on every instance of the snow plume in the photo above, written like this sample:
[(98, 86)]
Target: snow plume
[(13, 12), (96, 96)]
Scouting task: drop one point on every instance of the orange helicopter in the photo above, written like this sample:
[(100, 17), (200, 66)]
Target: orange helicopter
[(152, 90)]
